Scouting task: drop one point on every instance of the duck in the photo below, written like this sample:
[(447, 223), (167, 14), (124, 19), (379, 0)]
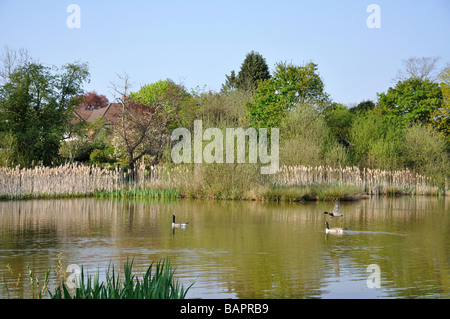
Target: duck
[(336, 210), (334, 230), (178, 225)]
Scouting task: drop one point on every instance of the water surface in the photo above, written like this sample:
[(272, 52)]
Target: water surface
[(239, 249)]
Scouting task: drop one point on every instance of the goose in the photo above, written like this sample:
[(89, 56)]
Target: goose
[(336, 210), (334, 230), (178, 225)]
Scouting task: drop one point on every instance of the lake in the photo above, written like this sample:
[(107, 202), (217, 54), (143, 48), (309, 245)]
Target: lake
[(394, 248)]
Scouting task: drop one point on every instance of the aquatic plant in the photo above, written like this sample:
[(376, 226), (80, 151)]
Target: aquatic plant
[(157, 284)]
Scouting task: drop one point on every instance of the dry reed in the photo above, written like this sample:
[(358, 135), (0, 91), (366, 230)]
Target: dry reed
[(372, 181), (79, 180)]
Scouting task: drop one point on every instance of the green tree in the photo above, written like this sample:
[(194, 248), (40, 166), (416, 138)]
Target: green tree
[(36, 104), (253, 69), (230, 81), (376, 141), (441, 116), (147, 119), (425, 152), (339, 121), (363, 106), (289, 87), (305, 139), (170, 98), (412, 101)]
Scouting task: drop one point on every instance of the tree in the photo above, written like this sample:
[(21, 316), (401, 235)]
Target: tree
[(35, 106), (441, 116), (339, 120), (11, 61), (363, 106), (92, 101), (424, 68), (253, 69), (412, 101), (376, 141), (289, 87), (146, 118), (230, 82), (425, 152)]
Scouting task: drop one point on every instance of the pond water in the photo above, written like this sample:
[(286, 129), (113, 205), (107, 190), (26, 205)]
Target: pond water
[(395, 247)]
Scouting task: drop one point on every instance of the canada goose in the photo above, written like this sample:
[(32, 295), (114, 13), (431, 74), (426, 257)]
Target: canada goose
[(334, 230), (336, 210), (178, 225)]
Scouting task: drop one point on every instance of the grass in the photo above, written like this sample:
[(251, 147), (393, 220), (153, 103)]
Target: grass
[(312, 193), (139, 193), (158, 282), (211, 181)]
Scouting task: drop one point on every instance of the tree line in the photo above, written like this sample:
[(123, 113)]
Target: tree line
[(407, 126)]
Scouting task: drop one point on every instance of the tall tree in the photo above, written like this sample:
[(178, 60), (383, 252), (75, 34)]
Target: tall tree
[(253, 69), (146, 119), (289, 87), (441, 116), (92, 101), (11, 60), (423, 68), (35, 106), (412, 101)]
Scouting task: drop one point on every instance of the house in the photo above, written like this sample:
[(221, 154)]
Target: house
[(110, 113)]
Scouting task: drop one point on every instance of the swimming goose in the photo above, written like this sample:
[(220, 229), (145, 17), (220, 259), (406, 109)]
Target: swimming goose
[(334, 230), (336, 210), (178, 225)]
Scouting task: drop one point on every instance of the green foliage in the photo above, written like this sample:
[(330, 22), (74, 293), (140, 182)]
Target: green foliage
[(305, 139), (339, 121), (425, 152), (289, 86), (225, 108), (36, 105), (157, 284), (98, 156), (8, 149), (302, 135), (172, 97), (412, 101), (253, 69), (441, 116), (362, 107), (375, 141)]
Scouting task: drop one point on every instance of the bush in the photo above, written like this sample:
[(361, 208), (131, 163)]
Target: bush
[(425, 152), (306, 140), (98, 157), (376, 141)]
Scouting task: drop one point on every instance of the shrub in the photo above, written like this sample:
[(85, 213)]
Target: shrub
[(425, 151), (98, 157)]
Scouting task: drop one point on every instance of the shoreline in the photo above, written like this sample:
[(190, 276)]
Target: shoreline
[(291, 194)]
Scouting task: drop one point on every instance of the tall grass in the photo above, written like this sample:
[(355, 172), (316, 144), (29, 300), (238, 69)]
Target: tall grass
[(217, 181), (372, 181), (157, 284)]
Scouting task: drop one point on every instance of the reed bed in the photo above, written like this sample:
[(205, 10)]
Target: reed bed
[(76, 180), (372, 181)]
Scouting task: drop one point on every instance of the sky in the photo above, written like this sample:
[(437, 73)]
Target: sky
[(197, 43)]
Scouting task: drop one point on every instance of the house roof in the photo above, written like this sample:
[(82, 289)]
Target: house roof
[(110, 113)]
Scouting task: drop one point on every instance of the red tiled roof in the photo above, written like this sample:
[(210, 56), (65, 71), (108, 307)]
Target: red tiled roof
[(110, 113)]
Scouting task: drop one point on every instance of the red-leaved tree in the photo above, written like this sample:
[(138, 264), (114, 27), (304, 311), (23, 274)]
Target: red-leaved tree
[(93, 101)]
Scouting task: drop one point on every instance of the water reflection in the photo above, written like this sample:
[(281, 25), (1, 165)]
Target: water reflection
[(234, 249)]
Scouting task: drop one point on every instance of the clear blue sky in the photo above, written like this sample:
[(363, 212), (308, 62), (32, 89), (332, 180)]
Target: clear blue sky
[(198, 42)]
